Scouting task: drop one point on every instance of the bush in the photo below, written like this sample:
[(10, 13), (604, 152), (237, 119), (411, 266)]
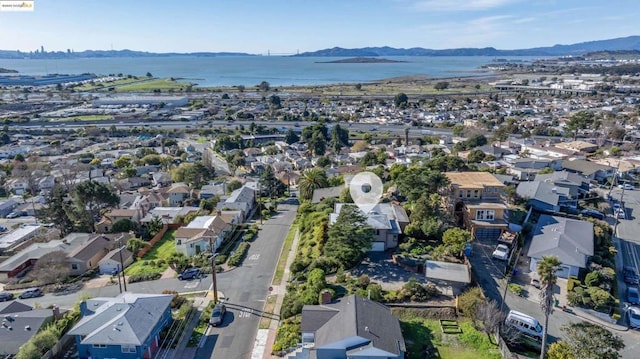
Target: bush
[(592, 279), (363, 281), (291, 305), (221, 258), (572, 283), (468, 301), (417, 292), (516, 289), (288, 335), (328, 265), (143, 277), (236, 258)]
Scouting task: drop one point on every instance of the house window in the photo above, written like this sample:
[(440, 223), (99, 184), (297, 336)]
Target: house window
[(485, 214), (99, 345), (128, 348), (74, 266), (191, 245), (459, 194), (476, 193), (377, 232), (468, 193), (179, 241)]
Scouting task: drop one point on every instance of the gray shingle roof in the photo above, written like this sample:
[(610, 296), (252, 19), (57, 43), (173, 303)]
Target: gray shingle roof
[(355, 316), (125, 319), (562, 177), (587, 168), (18, 335), (542, 191), (445, 271), (568, 239)]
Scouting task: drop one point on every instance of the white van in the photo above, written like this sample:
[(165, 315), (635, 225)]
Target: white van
[(524, 323)]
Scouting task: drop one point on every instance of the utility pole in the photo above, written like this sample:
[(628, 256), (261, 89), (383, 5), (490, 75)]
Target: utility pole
[(124, 280), (213, 271)]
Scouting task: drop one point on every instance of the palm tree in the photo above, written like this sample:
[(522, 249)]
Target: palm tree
[(547, 269), (310, 180)]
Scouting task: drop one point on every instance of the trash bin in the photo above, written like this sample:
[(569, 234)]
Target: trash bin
[(556, 302)]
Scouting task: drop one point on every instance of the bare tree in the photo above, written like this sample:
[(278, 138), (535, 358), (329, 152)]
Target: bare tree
[(53, 267), (488, 318)]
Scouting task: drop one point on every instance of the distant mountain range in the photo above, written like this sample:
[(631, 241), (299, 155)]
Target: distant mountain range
[(622, 43)]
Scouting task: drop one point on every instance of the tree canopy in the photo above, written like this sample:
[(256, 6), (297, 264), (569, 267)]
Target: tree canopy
[(311, 180), (349, 238), (584, 340)]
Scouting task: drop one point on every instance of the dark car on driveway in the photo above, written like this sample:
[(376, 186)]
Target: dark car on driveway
[(189, 274), (592, 213), (5, 296), (217, 315)]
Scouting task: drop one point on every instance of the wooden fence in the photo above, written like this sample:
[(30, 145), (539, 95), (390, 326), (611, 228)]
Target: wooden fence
[(166, 227)]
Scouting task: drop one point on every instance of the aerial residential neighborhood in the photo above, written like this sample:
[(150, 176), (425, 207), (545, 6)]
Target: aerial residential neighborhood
[(223, 223)]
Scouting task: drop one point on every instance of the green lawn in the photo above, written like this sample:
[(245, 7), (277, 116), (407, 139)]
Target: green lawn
[(286, 248), (106, 85), (157, 84), (470, 344), (162, 250)]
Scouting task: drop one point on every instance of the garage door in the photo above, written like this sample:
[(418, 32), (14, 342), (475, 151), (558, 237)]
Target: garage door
[(487, 233), (563, 271), (377, 247)]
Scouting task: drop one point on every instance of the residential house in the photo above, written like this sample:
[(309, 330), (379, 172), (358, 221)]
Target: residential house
[(544, 196), (476, 202), (7, 207), (116, 260), (526, 169), (243, 199), (353, 327), (168, 215), (110, 217), (127, 326), (19, 235), (320, 194), (20, 323), (178, 193), (25, 259), (212, 190), (17, 186), (590, 170), (88, 255), (570, 240), (576, 184), (385, 223), (46, 183), (449, 278), (579, 146), (161, 179), (204, 233)]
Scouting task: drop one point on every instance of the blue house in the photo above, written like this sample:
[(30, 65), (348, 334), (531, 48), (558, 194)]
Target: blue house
[(127, 326)]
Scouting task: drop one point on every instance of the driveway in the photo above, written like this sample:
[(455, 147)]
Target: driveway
[(380, 268)]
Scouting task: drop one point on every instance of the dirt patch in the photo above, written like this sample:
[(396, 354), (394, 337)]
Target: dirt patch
[(168, 273), (101, 281)]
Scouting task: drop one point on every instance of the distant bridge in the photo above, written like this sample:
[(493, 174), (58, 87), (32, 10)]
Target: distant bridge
[(269, 53)]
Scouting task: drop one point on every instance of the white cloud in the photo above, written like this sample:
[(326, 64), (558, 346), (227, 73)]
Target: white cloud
[(461, 5)]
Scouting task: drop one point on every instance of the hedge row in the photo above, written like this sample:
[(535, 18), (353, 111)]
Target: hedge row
[(144, 277), (238, 256)]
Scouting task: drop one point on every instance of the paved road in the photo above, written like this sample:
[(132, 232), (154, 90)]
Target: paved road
[(246, 288), (490, 275)]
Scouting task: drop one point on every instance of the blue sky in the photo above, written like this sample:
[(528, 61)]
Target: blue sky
[(287, 26)]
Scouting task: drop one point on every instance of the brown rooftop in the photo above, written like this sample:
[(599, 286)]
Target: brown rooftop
[(473, 179)]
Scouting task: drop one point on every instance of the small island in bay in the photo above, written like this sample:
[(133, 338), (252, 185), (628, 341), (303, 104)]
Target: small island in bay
[(7, 71), (361, 60)]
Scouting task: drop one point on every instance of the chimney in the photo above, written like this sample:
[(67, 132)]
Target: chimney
[(219, 213), (56, 312), (325, 297)]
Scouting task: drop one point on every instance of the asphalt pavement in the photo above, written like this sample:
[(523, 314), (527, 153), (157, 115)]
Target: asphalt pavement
[(246, 289)]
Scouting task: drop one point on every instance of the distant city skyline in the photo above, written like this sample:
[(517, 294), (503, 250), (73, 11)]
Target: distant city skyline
[(286, 27)]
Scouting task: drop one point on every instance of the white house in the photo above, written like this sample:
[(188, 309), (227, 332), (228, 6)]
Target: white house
[(204, 233)]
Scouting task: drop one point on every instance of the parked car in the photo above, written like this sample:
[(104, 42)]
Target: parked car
[(632, 295), (620, 213), (630, 276), (626, 186), (501, 252), (535, 282), (592, 213), (31, 293), (189, 274), (13, 215), (634, 317), (217, 315), (524, 323), (5, 296)]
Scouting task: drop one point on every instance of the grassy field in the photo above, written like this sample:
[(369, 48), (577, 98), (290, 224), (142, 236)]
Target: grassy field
[(163, 85), (162, 250), (106, 85), (420, 332)]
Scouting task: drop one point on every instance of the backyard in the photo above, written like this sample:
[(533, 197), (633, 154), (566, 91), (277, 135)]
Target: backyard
[(421, 331), (155, 261)]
